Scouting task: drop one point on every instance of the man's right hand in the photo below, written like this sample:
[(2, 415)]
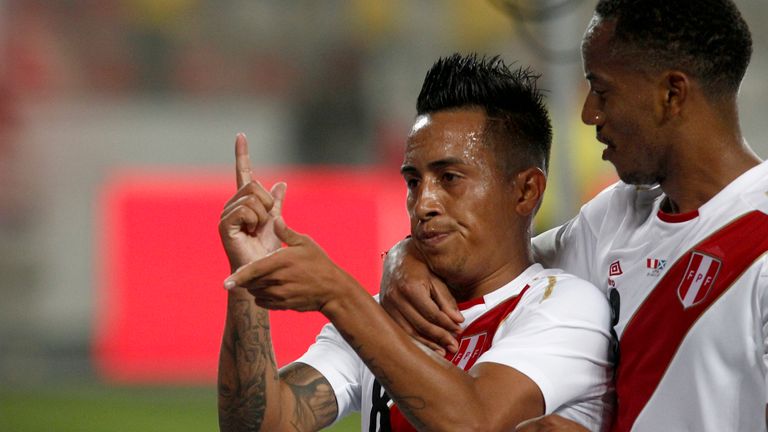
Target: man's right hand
[(417, 300), (246, 224)]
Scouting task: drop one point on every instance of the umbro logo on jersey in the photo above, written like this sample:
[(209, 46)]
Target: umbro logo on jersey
[(615, 269), (698, 279)]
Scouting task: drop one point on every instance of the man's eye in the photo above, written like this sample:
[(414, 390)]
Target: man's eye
[(411, 183), (449, 177)]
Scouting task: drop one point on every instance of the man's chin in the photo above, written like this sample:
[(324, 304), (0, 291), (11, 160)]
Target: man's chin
[(636, 178), (449, 269)]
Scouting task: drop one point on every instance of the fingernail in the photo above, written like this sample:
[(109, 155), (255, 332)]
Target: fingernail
[(229, 284)]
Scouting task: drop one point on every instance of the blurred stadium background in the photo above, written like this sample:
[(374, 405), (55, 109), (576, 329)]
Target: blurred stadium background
[(117, 121)]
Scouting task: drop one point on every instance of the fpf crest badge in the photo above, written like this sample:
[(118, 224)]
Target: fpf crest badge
[(698, 279), (470, 348)]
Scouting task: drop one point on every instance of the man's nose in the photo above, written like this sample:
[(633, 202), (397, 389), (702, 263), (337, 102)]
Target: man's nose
[(428, 203), (590, 113)]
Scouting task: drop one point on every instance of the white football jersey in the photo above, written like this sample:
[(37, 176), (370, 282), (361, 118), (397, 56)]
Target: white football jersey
[(548, 325), (693, 288)]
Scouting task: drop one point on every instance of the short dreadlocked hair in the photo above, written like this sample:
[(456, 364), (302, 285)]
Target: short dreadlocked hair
[(707, 39), (518, 124)]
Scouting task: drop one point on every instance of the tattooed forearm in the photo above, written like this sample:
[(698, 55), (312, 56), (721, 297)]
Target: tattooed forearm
[(246, 363), (408, 405), (315, 402)]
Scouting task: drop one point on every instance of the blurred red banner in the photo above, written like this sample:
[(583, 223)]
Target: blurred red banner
[(160, 266)]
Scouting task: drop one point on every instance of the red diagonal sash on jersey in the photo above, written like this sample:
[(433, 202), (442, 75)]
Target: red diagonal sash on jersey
[(658, 327), (475, 340)]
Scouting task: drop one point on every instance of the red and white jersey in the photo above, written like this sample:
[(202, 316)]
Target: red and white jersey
[(693, 323), (548, 325)]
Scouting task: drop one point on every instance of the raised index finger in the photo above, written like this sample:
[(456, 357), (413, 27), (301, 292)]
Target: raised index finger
[(242, 161)]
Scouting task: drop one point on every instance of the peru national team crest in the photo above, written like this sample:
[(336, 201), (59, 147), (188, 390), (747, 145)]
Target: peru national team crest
[(470, 348), (698, 279)]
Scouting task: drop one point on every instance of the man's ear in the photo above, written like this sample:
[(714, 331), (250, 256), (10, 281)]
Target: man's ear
[(675, 88), (530, 184)]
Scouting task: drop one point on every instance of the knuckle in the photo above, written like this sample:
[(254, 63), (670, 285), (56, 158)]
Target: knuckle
[(421, 326), (248, 188), (410, 290), (432, 332), (432, 316)]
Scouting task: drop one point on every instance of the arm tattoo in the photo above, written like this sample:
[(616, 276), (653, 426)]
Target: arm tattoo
[(248, 352), (315, 401), (408, 405)]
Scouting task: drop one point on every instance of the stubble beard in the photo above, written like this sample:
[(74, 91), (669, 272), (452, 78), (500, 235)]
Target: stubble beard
[(638, 177), (452, 271)]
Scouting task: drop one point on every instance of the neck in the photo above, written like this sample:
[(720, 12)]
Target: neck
[(704, 175), (705, 160), (491, 281)]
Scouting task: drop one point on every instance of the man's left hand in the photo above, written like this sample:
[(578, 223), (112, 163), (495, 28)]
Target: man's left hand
[(299, 276)]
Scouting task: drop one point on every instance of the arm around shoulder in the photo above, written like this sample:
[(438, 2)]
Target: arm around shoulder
[(560, 338)]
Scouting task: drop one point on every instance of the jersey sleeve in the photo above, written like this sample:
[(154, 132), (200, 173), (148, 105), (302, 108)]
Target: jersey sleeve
[(560, 339), (763, 289), (572, 246), (332, 356)]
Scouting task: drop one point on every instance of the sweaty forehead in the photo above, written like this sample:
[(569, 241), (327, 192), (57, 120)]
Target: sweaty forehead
[(454, 134), (597, 39)]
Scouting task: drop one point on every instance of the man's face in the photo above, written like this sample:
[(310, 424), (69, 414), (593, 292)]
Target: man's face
[(459, 203), (622, 104)]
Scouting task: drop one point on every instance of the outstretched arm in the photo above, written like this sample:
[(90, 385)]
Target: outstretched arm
[(252, 395)]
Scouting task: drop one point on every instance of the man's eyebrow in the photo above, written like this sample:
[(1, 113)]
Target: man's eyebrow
[(434, 165), (442, 163), (595, 78)]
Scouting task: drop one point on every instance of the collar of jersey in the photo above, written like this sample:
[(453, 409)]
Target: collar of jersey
[(747, 181), (511, 288)]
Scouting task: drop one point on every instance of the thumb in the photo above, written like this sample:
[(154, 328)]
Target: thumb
[(285, 234), (278, 194)]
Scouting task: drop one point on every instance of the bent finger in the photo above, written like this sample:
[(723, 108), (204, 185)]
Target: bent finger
[(424, 303), (447, 305), (239, 218), (278, 195), (250, 202), (427, 330), (410, 331)]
